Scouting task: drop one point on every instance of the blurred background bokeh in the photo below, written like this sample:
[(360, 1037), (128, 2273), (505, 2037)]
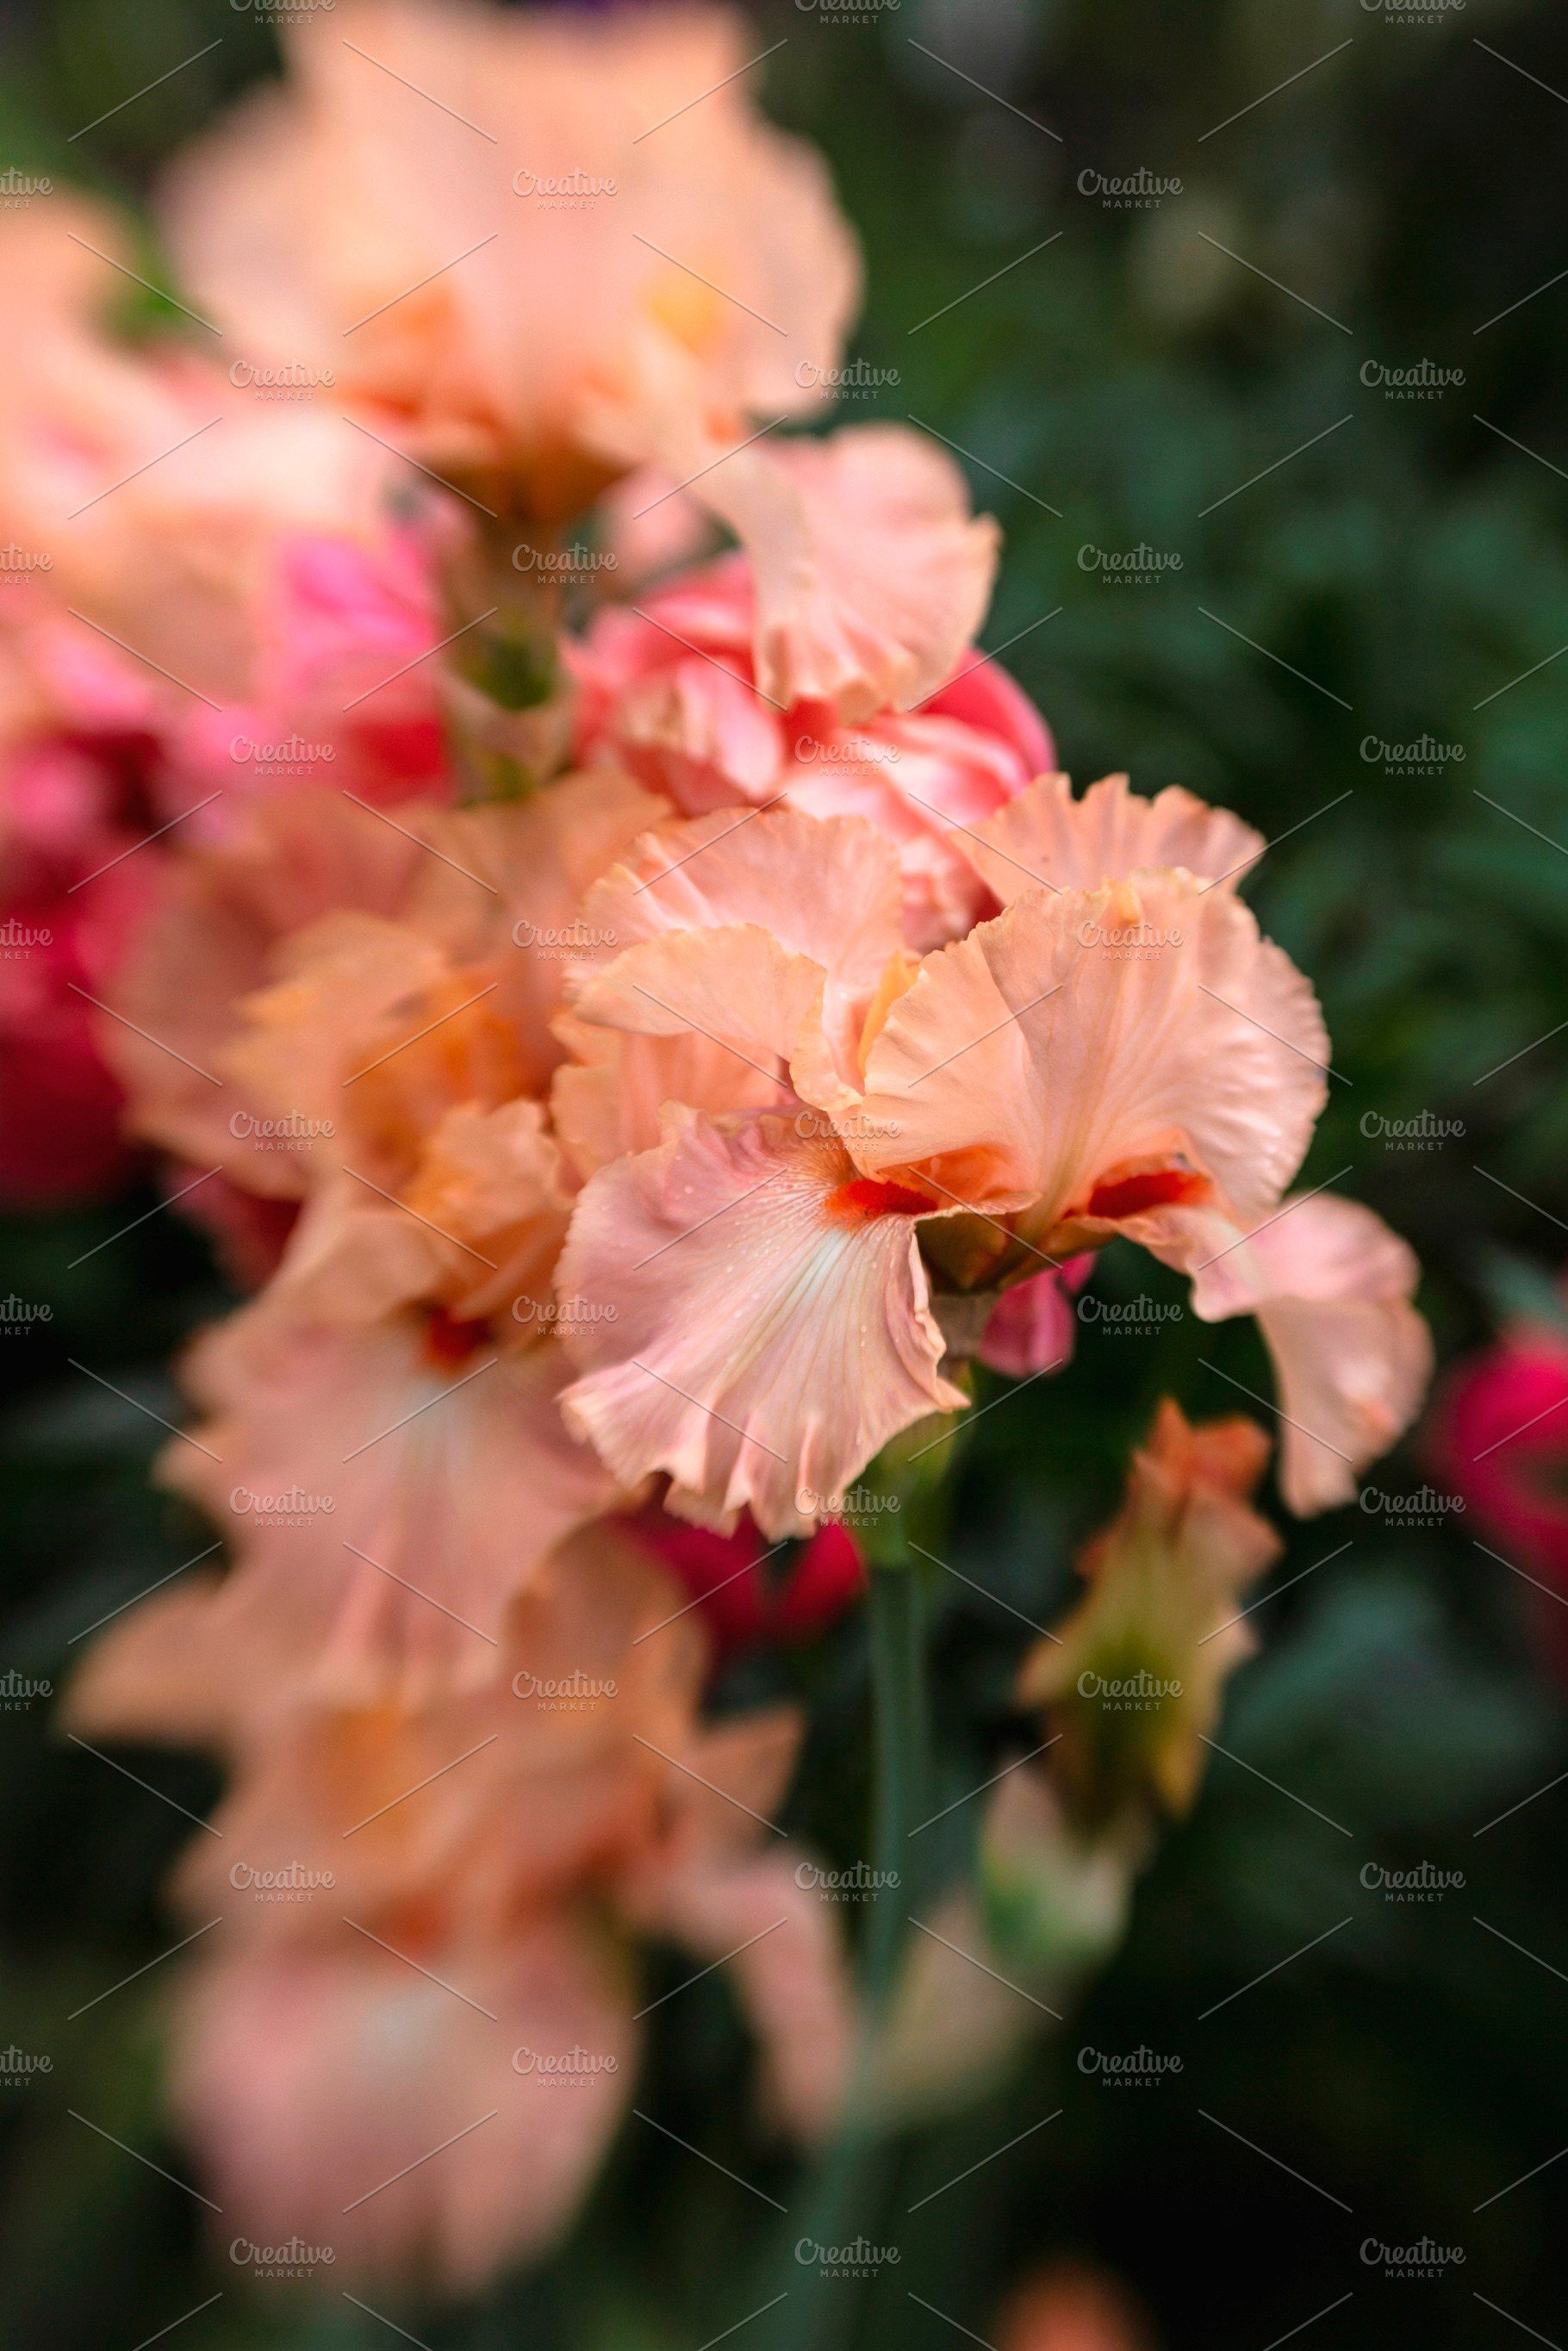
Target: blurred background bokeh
[(1356, 651)]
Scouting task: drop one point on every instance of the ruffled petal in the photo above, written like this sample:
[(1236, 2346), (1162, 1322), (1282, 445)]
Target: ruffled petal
[(1099, 1054), (1332, 1288), (772, 1327), (606, 1100), (1047, 836), (872, 577), (734, 925)]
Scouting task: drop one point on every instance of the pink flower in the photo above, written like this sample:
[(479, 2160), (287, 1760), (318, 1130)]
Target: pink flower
[(1499, 1438), (530, 276), (73, 809), (741, 1604), (829, 664), (1031, 1328)]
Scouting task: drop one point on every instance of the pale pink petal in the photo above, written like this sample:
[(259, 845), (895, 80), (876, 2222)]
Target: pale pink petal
[(387, 1487), (1033, 1327), (924, 781), (166, 1674), (1039, 1062), (606, 1100), (699, 734), (872, 577), (787, 1956), (1048, 836), (986, 696), (1331, 1287), (311, 2079), (772, 1325)]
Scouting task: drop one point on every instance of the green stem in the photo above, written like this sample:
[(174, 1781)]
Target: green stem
[(897, 1626), (844, 2191)]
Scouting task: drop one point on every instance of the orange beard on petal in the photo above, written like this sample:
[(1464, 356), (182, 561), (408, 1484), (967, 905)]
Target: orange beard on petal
[(1156, 1187), (448, 1343), (864, 1198)]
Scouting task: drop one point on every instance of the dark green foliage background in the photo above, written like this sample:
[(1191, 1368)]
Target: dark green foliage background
[(1408, 566)]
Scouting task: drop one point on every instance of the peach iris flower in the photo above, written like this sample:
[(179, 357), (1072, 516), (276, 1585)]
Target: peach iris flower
[(1118, 1052), (523, 242)]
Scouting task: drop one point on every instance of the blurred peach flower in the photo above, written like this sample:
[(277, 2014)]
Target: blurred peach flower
[(265, 571), (1165, 1582), (436, 890), (1068, 2307), (523, 242), (402, 1367), (423, 2067)]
